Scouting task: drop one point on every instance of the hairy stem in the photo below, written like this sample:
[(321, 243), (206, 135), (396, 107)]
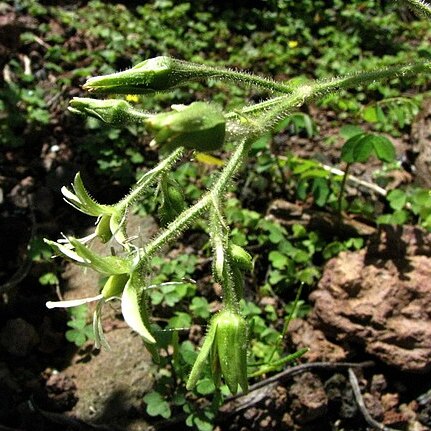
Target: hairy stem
[(150, 177), (277, 108), (420, 7), (341, 194), (186, 218)]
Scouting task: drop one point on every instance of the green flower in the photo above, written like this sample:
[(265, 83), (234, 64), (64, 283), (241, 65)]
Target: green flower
[(155, 74), (123, 283), (199, 126), (110, 218), (226, 347), (112, 111)]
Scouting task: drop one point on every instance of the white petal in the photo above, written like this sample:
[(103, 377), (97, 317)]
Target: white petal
[(131, 309), (72, 302)]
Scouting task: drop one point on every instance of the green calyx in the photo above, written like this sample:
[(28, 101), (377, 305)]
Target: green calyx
[(112, 111), (226, 347), (173, 203), (199, 126), (155, 74), (240, 257), (114, 286)]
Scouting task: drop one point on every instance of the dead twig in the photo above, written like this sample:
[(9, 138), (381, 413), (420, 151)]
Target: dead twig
[(293, 371), (360, 401), (261, 389)]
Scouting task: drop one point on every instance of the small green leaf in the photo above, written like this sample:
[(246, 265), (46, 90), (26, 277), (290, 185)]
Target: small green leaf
[(156, 405), (398, 217), (76, 324), (188, 352), (180, 320), (262, 143), (203, 425), (349, 130), (397, 199), (384, 149), (332, 249), (369, 114), (205, 386), (363, 149), (48, 278), (75, 336), (347, 150), (308, 275), (278, 260), (200, 307), (320, 190)]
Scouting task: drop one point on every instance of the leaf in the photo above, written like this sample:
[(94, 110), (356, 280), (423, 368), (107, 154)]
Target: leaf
[(300, 256), (208, 159), (76, 324), (347, 150), (349, 130), (398, 217), (156, 405), (363, 149), (205, 386), (369, 114), (332, 249), (200, 307), (76, 336), (262, 143), (308, 275), (203, 425), (360, 147), (320, 191), (188, 352), (397, 199), (278, 259), (384, 149), (49, 278), (180, 320)]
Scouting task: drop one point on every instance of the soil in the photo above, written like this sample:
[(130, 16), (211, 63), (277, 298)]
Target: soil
[(371, 305)]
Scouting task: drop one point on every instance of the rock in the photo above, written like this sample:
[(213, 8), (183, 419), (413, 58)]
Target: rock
[(381, 298), (60, 392), (112, 384), (18, 337), (309, 400), (340, 397), (302, 334)]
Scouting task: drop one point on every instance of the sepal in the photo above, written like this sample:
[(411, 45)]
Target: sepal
[(199, 126)]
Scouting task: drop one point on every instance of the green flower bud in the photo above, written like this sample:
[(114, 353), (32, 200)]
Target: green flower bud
[(114, 286), (226, 346), (240, 257), (103, 231), (111, 111), (231, 339), (173, 202), (154, 74), (198, 126)]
